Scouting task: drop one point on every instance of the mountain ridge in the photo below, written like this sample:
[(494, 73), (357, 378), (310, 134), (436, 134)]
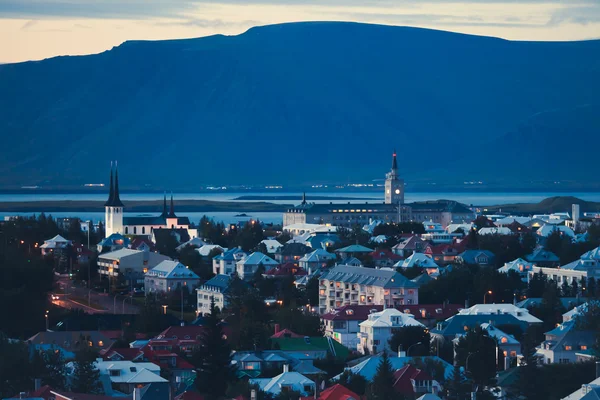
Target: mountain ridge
[(301, 103)]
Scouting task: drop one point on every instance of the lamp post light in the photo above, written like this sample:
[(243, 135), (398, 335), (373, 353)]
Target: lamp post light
[(484, 296), (125, 299), (411, 346), (46, 316), (164, 309)]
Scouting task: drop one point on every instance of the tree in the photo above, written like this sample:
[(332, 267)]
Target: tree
[(382, 386), (478, 350), (554, 242), (354, 382), (86, 377), (312, 291), (456, 387), (16, 372), (592, 288), (574, 288), (213, 358), (565, 289), (473, 239), (537, 285), (409, 336), (54, 369), (528, 381)]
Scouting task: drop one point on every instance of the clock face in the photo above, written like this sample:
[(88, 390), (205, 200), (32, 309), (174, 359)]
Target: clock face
[(397, 191), (388, 191)]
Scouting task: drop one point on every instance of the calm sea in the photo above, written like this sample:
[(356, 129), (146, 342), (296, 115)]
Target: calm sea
[(476, 198)]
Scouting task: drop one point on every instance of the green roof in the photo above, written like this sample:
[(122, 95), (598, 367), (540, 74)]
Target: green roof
[(354, 248), (311, 344)]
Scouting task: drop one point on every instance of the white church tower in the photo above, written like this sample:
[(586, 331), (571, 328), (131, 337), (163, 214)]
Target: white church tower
[(394, 186), (113, 208)]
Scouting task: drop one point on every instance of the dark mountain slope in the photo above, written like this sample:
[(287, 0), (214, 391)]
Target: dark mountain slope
[(291, 103)]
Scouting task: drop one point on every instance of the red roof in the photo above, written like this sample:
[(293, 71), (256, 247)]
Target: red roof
[(156, 355), (516, 227), (137, 242), (285, 333), (128, 354), (404, 376), (285, 270), (384, 254), (188, 332), (336, 392)]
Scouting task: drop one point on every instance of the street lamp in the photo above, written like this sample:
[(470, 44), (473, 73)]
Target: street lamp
[(484, 296), (164, 309), (47, 312), (411, 346), (88, 247), (128, 297)]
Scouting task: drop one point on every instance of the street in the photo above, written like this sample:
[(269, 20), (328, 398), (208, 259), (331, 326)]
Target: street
[(72, 297)]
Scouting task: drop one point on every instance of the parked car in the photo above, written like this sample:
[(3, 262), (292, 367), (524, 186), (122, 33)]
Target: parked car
[(138, 292)]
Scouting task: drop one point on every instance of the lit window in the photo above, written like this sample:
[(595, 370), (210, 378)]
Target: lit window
[(513, 353), (583, 347), (504, 339), (568, 348), (100, 343)]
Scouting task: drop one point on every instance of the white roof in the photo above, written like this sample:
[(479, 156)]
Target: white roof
[(495, 231), (511, 219), (258, 258), (516, 265), (417, 260), (271, 245), (207, 248), (172, 270), (118, 254), (487, 309), (273, 385), (579, 393), (57, 239), (390, 317), (139, 372), (57, 242), (310, 227), (192, 242), (503, 338), (379, 239), (465, 227), (547, 229)]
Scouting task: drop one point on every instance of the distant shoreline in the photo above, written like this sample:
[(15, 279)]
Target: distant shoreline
[(296, 199)]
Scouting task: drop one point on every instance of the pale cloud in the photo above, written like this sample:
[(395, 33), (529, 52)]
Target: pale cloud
[(46, 28)]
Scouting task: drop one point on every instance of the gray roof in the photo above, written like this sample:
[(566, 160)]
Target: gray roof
[(567, 302), (541, 255), (386, 278), (220, 282), (456, 324)]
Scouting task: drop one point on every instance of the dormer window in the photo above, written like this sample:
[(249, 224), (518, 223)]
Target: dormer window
[(114, 372)]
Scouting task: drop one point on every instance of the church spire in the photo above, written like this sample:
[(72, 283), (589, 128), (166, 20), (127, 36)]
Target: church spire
[(304, 198), (164, 213), (394, 162), (116, 201), (172, 212), (111, 194)]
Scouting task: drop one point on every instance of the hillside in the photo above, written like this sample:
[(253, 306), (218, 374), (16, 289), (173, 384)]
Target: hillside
[(304, 103), (547, 206)]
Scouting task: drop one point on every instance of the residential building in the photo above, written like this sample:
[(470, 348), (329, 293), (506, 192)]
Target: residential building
[(459, 324), (506, 344), (55, 245), (379, 327), (419, 260), (205, 250), (71, 341), (254, 364), (411, 382), (167, 235), (142, 243), (548, 229), (335, 392), (285, 270), (444, 212), (193, 242), (409, 245), (384, 258), (495, 231), (522, 314), (113, 242), (313, 348), (588, 266), (116, 222), (563, 342), (519, 266), (368, 367), (247, 266), (286, 381), (225, 263), (543, 258), (320, 240), (484, 258), (351, 262), (271, 245), (588, 391), (129, 264), (169, 275), (511, 220), (292, 253), (344, 285), (316, 259), (215, 288), (445, 253), (353, 251), (122, 377)]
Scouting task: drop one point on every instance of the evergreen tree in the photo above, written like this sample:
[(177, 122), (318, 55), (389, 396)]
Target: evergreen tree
[(54, 369), (565, 289), (528, 381), (574, 288), (213, 358), (86, 377), (382, 387), (409, 336), (591, 288), (456, 389), (473, 240), (354, 382), (312, 291)]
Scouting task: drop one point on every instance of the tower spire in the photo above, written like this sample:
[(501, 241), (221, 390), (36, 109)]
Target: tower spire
[(394, 162), (172, 212), (111, 194), (164, 213), (304, 198), (116, 199)]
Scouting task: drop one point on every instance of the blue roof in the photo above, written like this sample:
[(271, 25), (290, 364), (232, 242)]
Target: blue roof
[(219, 281), (354, 248), (368, 367), (456, 325), (470, 256), (114, 239), (541, 255)]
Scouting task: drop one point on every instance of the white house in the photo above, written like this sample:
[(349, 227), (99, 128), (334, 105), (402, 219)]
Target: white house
[(345, 285), (286, 381), (343, 324), (131, 264), (419, 260), (168, 275), (272, 245), (487, 309), (57, 243), (122, 377), (205, 250), (316, 259), (548, 229), (588, 266), (247, 266), (564, 342), (520, 266), (225, 263), (215, 288), (378, 329)]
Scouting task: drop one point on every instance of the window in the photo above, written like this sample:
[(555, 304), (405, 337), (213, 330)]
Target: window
[(135, 230), (100, 343), (583, 347), (143, 230), (126, 230), (513, 353), (114, 372), (568, 347)]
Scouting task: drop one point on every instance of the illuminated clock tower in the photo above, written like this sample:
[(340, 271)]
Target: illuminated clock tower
[(394, 186)]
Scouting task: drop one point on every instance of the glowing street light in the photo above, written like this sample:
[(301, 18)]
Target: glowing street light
[(484, 296)]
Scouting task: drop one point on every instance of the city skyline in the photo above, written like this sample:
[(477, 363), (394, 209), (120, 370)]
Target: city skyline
[(46, 28)]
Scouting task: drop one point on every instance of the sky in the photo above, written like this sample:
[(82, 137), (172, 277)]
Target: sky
[(38, 29)]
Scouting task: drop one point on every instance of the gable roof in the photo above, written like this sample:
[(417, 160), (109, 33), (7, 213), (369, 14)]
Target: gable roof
[(470, 256), (521, 314), (386, 278), (317, 343), (317, 256), (459, 323), (275, 384), (354, 248), (413, 242), (219, 282), (368, 367), (257, 258), (542, 255), (284, 333), (417, 260), (335, 392), (172, 270), (386, 318)]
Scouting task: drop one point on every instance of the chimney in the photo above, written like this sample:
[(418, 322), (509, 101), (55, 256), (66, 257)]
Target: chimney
[(286, 368), (276, 328), (467, 303), (253, 394), (597, 369), (37, 384)]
